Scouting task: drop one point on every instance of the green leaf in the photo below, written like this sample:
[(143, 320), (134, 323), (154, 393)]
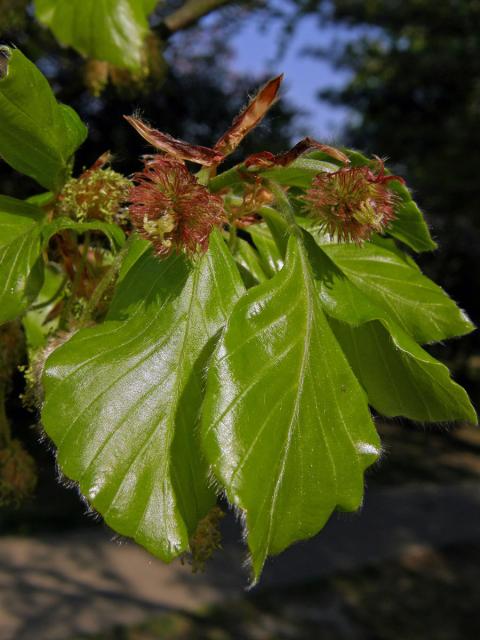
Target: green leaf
[(112, 231), (400, 378), (286, 425), (300, 173), (137, 247), (38, 136), (20, 249), (249, 260), (110, 30), (35, 321), (420, 307), (271, 258), (409, 225), (122, 399)]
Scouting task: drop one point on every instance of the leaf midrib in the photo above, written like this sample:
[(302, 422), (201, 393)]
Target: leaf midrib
[(301, 375)]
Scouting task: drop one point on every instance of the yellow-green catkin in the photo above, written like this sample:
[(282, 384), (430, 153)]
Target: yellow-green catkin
[(206, 539), (97, 194)]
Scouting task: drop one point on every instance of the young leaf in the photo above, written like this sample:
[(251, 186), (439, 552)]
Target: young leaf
[(271, 258), (36, 322), (268, 159), (111, 30), (420, 307), (285, 425), (123, 398), (20, 248), (409, 225), (112, 231), (299, 174), (400, 378), (24, 232), (38, 136), (248, 258)]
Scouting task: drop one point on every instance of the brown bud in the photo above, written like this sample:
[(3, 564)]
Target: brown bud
[(179, 149), (250, 117)]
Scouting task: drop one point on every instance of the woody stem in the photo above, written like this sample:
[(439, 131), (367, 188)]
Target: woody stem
[(188, 14)]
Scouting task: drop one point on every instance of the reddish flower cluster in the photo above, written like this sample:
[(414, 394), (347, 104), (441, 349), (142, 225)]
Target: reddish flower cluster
[(171, 209), (352, 203)]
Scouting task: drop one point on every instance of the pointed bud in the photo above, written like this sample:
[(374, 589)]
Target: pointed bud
[(177, 148), (250, 117)]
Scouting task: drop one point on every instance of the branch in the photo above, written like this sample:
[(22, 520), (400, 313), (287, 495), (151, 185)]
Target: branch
[(188, 15)]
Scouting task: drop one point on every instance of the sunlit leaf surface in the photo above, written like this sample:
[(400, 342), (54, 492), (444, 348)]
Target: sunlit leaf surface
[(38, 136), (286, 425), (110, 30), (123, 398)]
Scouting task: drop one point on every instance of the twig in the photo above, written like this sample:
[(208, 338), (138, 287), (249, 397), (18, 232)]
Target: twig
[(188, 15)]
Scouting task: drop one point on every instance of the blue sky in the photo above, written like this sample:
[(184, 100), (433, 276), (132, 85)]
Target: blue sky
[(256, 53)]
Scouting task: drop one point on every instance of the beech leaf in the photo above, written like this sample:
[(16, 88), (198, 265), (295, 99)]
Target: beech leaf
[(38, 135), (419, 306), (286, 425), (20, 249), (122, 399), (111, 30), (400, 378)]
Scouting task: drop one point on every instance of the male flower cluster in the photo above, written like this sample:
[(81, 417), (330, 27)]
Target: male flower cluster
[(352, 203), (98, 194), (171, 209)]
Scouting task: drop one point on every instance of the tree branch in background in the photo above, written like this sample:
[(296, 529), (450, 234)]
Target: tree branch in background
[(188, 15)]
